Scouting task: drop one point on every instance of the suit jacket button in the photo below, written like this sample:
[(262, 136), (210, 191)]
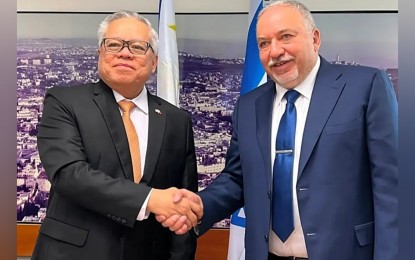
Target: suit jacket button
[(123, 221), (266, 238), (109, 216), (114, 218), (119, 219), (269, 194)]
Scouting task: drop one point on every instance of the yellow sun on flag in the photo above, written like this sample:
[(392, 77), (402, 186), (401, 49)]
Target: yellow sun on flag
[(173, 27)]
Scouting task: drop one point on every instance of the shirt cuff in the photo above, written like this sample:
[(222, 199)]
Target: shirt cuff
[(143, 214)]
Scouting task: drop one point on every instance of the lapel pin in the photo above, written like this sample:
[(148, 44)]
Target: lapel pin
[(157, 111)]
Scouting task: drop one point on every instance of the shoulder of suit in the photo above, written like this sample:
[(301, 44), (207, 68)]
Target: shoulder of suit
[(67, 90), (71, 94), (164, 105), (356, 69), (259, 90)]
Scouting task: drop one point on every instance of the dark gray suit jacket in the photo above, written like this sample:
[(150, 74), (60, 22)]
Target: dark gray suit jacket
[(93, 201)]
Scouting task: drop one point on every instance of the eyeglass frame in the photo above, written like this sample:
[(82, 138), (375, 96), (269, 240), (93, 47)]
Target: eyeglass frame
[(127, 43)]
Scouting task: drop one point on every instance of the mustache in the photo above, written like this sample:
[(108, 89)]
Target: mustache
[(278, 60)]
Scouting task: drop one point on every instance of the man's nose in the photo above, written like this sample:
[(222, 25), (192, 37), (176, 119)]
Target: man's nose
[(277, 49), (125, 51)]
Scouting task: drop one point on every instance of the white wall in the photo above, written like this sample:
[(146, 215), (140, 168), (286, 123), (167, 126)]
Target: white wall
[(193, 6)]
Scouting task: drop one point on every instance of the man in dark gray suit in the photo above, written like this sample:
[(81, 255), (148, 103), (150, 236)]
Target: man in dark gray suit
[(99, 209)]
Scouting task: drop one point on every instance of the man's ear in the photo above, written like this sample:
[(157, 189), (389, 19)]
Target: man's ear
[(154, 63), (316, 39)]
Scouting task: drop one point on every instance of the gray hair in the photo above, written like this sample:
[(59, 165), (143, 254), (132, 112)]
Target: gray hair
[(103, 26), (305, 13)]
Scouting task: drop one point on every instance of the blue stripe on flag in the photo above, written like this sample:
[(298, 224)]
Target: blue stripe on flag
[(253, 70), (237, 220), (158, 19)]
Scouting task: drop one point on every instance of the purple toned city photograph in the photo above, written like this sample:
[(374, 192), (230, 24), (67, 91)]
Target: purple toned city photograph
[(61, 49)]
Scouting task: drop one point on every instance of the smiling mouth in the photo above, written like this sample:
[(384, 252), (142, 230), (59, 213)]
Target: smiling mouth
[(278, 63), (123, 66)]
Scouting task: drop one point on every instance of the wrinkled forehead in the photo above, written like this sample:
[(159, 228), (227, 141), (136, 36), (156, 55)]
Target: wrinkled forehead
[(280, 13), (280, 18)]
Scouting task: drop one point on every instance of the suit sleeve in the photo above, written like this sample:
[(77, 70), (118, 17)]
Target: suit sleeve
[(72, 177), (382, 138), (184, 246)]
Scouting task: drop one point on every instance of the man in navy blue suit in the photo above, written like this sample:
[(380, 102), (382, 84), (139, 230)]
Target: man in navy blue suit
[(344, 174)]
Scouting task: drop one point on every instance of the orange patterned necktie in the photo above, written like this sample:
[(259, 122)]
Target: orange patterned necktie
[(126, 107)]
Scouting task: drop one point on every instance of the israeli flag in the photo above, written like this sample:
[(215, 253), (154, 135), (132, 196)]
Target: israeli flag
[(253, 76), (168, 56), (236, 249)]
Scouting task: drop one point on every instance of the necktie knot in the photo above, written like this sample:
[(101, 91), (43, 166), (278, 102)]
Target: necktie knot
[(291, 96), (126, 105)]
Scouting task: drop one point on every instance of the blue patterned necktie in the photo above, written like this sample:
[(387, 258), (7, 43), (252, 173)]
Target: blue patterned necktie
[(282, 195)]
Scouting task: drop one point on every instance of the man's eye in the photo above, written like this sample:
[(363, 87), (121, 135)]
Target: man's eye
[(138, 47), (263, 45), (286, 36), (113, 45)]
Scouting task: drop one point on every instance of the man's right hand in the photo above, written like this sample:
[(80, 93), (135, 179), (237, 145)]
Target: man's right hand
[(180, 209), (178, 223)]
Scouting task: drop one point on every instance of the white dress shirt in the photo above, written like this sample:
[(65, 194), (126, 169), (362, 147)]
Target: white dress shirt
[(139, 117), (295, 244)]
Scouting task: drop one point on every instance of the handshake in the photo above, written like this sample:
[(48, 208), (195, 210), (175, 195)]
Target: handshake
[(178, 209)]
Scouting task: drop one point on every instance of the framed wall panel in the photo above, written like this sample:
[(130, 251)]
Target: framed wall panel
[(61, 49)]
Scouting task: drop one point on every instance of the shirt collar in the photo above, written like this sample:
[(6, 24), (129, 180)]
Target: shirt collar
[(140, 101), (305, 88)]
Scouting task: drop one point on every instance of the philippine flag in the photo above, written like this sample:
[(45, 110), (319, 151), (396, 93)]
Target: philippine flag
[(168, 56)]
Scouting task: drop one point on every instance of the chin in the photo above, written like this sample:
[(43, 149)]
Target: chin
[(122, 80), (287, 80)]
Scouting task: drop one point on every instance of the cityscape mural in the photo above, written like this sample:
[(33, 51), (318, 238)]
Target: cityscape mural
[(211, 64)]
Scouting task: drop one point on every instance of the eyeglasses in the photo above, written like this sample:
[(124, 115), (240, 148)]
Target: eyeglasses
[(136, 47)]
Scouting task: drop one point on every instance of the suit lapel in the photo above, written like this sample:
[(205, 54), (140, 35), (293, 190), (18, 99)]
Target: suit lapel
[(156, 128), (263, 112), (104, 98), (326, 92)]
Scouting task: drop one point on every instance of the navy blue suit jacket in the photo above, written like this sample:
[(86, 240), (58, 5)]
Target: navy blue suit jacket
[(347, 183)]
